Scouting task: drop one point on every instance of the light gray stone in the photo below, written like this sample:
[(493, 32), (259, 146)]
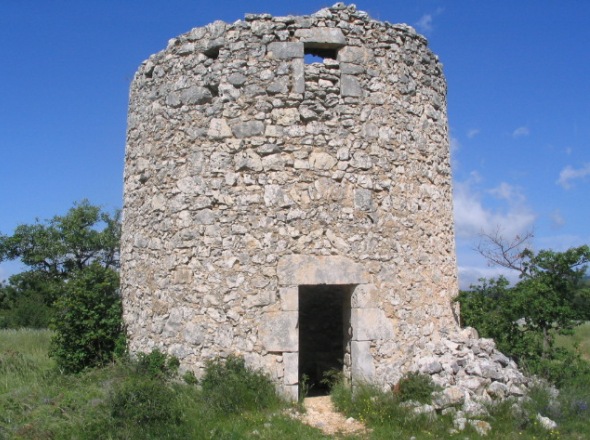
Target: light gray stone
[(322, 37), (195, 95), (370, 324), (248, 129), (350, 86), (285, 51), (363, 366), (250, 174), (295, 270), (278, 331)]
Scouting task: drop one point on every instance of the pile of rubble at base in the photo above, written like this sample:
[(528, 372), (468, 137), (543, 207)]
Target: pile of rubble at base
[(472, 373), (470, 369)]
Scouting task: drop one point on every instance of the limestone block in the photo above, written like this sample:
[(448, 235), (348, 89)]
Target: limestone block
[(287, 116), (350, 86), (247, 160), (363, 365), (321, 37), (219, 129), (364, 296), (274, 195), (195, 95), (237, 79), (291, 366), (370, 324), (278, 331), (194, 334), (294, 270), (322, 161), (298, 69), (289, 298), (289, 392), (248, 129), (355, 55), (363, 199), (285, 51)]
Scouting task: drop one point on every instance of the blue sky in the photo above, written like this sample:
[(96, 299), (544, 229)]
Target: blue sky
[(518, 103)]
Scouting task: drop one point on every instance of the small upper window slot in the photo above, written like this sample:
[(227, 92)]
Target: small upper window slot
[(318, 54), (213, 52)]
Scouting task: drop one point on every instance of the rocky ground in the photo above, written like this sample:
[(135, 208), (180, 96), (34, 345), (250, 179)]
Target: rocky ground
[(320, 413)]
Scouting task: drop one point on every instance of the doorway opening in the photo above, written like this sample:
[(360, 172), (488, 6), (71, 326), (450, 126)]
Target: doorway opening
[(324, 335)]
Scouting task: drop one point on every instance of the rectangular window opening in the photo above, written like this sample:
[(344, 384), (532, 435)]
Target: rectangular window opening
[(318, 54)]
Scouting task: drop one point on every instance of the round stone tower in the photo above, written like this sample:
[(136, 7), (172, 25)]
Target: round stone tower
[(288, 198)]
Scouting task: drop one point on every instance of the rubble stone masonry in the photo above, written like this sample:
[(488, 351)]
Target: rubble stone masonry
[(251, 173)]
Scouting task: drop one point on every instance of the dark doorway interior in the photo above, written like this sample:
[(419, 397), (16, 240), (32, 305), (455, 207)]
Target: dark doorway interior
[(324, 315)]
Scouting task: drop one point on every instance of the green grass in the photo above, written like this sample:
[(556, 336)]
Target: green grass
[(116, 402), (126, 401), (580, 339)]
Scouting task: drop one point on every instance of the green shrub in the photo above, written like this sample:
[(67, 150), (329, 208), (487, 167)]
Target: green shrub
[(157, 364), (228, 386), (144, 400), (417, 387), (189, 378), (88, 324)]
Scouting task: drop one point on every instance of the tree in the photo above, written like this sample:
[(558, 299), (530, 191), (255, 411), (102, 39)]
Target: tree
[(546, 301), (88, 321), (73, 261), (66, 243)]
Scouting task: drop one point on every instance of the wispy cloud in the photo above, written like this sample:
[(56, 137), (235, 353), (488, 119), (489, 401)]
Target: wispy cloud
[(455, 145), (569, 173), (472, 217), (424, 24), (521, 132), (557, 220), (472, 133), (510, 193), (470, 275)]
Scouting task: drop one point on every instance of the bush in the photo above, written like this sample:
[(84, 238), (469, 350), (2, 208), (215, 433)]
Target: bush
[(416, 387), (157, 364), (88, 321), (228, 386), (27, 312), (140, 400)]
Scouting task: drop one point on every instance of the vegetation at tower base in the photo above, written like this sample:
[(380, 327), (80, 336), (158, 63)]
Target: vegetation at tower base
[(551, 298), (72, 283)]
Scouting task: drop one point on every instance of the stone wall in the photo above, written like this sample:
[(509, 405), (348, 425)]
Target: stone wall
[(250, 172)]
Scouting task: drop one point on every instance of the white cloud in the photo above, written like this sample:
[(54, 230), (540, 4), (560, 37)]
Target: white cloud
[(470, 275), (507, 192), (472, 133), (570, 173), (454, 144), (557, 220), (521, 131), (472, 217), (424, 24)]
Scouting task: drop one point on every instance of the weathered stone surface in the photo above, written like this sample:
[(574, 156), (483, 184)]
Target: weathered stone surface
[(250, 174), (363, 367), (248, 129), (322, 37), (309, 269), (370, 324), (278, 331), (285, 51)]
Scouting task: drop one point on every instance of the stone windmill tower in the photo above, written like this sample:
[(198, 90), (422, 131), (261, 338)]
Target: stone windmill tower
[(288, 198)]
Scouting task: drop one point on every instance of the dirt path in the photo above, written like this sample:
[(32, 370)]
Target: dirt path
[(320, 413)]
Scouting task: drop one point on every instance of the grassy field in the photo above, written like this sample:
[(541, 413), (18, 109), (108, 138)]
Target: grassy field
[(122, 402), (580, 340)]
